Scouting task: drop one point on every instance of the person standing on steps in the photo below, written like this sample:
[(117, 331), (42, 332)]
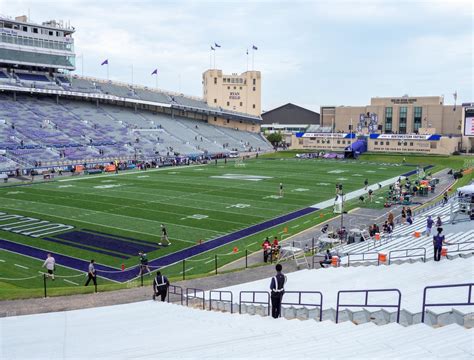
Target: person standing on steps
[(429, 225), (91, 274), (277, 287), (160, 286), (50, 265), (438, 241)]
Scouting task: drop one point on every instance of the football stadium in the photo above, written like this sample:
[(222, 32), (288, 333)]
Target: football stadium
[(200, 226)]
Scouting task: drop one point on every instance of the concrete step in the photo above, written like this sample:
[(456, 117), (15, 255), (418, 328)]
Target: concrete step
[(379, 317)]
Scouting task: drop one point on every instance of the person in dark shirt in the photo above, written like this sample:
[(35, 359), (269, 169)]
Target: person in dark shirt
[(160, 286), (438, 241), (327, 259), (429, 225), (91, 273), (164, 236), (277, 287)]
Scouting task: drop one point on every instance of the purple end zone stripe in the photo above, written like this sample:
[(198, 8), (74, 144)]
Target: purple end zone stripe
[(86, 248), (212, 244), (78, 264), (145, 242), (166, 260), (413, 172), (105, 242)]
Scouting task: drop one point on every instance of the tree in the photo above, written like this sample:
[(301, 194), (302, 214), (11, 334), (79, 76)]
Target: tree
[(275, 138)]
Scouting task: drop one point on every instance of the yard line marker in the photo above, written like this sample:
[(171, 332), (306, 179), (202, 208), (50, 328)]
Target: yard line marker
[(187, 270), (293, 227), (251, 244), (307, 221), (2, 260), (70, 282), (207, 262), (21, 266)]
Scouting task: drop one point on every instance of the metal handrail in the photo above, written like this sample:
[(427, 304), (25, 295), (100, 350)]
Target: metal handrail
[(363, 257), (253, 299), (172, 289), (425, 304), (220, 298), (366, 304), (320, 304), (423, 256), (194, 295), (460, 250)]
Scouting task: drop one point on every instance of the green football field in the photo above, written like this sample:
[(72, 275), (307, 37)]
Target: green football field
[(195, 204)]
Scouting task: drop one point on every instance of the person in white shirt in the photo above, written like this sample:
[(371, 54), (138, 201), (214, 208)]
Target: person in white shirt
[(50, 265)]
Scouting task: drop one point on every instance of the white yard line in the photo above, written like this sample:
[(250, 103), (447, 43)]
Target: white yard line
[(87, 177), (251, 244), (187, 270), (21, 266), (70, 282), (2, 260)]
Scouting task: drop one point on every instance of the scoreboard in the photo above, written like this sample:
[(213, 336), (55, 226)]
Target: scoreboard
[(469, 121)]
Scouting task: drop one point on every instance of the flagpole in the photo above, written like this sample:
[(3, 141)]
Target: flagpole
[(210, 59), (107, 70), (253, 53), (214, 59), (156, 81), (247, 59), (132, 75)]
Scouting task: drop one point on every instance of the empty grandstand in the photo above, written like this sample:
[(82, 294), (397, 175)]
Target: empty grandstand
[(51, 118)]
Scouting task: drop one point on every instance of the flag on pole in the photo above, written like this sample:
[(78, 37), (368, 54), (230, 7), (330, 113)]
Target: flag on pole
[(155, 72), (212, 49), (217, 45), (247, 51), (105, 62), (455, 95), (254, 47)]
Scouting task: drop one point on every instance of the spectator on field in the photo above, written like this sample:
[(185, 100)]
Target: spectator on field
[(429, 225), (325, 228), (445, 198), (371, 195), (438, 241), (275, 241), (266, 246), (409, 213), (160, 286), (366, 184), (143, 263), (277, 287), (50, 265), (164, 236), (439, 223), (91, 274), (327, 259)]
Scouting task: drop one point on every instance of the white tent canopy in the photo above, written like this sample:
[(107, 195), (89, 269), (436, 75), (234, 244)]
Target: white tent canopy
[(466, 190)]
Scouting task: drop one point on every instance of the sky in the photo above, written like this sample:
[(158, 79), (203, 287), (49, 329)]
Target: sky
[(310, 53)]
